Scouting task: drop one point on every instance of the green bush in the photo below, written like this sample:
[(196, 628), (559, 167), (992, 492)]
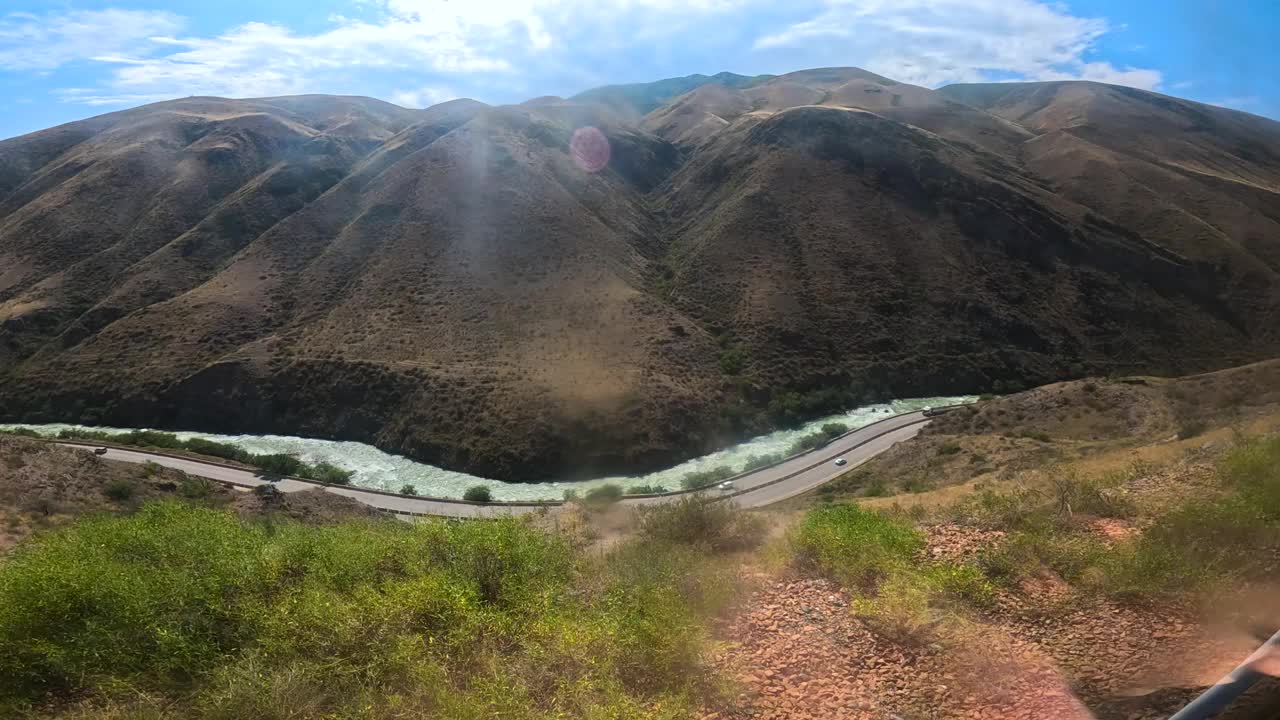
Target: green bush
[(790, 409), (834, 429), (211, 448), (278, 464), (201, 614), (755, 462), (1074, 494), (326, 473), (732, 361), (1191, 428), (120, 490), (408, 489), (603, 495), (703, 478), (646, 490), (826, 434), (855, 545), (478, 493), (701, 522), (21, 432), (876, 487), (1209, 540), (273, 464), (198, 489), (876, 557)]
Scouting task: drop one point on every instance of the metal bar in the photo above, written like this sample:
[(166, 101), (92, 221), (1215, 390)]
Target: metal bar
[(1217, 698)]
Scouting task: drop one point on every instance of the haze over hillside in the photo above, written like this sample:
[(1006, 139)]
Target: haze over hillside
[(461, 285)]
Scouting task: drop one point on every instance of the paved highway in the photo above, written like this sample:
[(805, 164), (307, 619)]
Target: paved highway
[(751, 490)]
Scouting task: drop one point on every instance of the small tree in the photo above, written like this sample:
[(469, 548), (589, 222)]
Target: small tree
[(603, 495), (120, 490), (408, 490), (478, 493)]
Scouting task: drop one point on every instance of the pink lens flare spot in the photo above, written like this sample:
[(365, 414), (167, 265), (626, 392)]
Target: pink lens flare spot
[(590, 149)]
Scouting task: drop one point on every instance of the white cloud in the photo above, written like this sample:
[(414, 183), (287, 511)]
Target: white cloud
[(417, 52), (31, 42), (423, 97), (1106, 73), (150, 59), (933, 42), (262, 59)]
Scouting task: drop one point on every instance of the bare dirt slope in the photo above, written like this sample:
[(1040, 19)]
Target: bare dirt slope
[(1094, 425), (43, 485), (467, 285)]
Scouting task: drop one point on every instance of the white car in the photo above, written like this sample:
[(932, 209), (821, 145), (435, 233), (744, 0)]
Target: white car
[(841, 461), (725, 486)]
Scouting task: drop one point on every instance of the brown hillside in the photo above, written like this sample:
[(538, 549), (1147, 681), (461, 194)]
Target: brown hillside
[(452, 283)]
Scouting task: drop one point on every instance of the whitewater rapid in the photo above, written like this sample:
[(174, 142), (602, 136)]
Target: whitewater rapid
[(376, 469)]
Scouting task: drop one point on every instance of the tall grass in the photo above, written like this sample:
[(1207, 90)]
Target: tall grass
[(1210, 538), (877, 556), (179, 611)]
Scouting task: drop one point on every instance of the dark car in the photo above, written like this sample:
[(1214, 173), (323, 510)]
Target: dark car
[(100, 451), (935, 412)]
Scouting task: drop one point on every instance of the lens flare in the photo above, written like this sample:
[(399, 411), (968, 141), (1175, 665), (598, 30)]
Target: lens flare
[(590, 149)]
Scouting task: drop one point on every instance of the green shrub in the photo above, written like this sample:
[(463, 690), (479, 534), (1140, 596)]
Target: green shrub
[(827, 433), (701, 522), (408, 489), (731, 361), (855, 545), (949, 449), (1074, 494), (1192, 427), (876, 557), (270, 494), (646, 490), (703, 478), (278, 464), (197, 488), (176, 596), (1209, 540), (326, 473), (21, 432), (1000, 510), (603, 495), (875, 487), (120, 490), (754, 462), (211, 448), (834, 429), (478, 493)]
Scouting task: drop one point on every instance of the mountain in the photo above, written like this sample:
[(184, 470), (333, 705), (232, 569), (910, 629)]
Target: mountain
[(505, 291), (639, 99)]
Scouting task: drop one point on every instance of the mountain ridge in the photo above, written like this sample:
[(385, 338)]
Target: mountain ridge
[(457, 284)]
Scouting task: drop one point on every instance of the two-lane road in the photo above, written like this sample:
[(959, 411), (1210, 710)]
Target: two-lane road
[(751, 490)]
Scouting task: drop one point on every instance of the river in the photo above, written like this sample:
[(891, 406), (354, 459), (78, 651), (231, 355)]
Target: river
[(374, 468)]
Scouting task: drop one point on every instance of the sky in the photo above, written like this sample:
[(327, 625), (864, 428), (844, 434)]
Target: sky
[(63, 60)]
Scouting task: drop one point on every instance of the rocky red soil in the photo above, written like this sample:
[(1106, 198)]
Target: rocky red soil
[(800, 653), (1043, 651)]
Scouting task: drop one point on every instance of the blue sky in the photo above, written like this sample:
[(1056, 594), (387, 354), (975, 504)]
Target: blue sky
[(62, 60)]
